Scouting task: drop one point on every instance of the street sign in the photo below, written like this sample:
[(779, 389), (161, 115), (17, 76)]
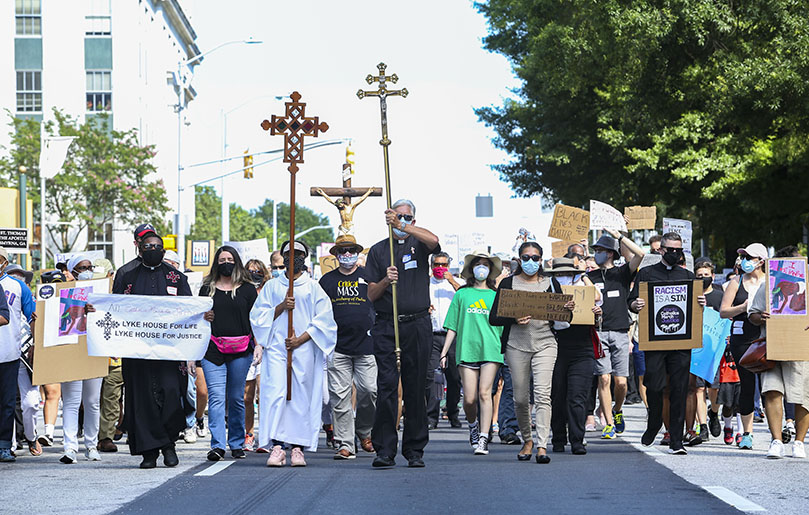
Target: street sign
[(14, 240)]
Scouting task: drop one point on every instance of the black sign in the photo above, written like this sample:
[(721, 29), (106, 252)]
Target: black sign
[(669, 310), (14, 240)]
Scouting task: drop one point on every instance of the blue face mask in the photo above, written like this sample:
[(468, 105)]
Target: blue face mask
[(401, 234), (747, 265), (601, 257), (277, 273), (530, 267)]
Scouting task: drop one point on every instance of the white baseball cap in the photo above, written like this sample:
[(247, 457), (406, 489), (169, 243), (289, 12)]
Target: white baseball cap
[(756, 250)]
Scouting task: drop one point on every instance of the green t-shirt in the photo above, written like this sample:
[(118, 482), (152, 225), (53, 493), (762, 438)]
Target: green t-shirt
[(468, 315)]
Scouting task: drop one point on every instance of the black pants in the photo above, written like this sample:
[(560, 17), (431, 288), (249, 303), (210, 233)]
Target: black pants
[(675, 364), (452, 376), (8, 397), (572, 378), (415, 340), (747, 379)]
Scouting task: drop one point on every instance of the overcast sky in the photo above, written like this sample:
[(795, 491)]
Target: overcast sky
[(440, 155)]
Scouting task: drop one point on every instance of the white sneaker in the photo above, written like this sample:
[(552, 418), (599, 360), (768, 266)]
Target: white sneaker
[(92, 454), (68, 458), (776, 450), (798, 450), (189, 435), (483, 445), (202, 431)]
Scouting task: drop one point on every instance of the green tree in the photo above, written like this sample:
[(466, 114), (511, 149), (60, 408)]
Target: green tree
[(697, 106), (105, 177), (304, 219), (208, 215)]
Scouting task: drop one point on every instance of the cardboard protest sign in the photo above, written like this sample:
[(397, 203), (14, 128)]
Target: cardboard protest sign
[(585, 299), (640, 217), (253, 249), (681, 227), (672, 317), (328, 263), (540, 305), (604, 216), (715, 331), (569, 223), (63, 357), (145, 327), (786, 302), (559, 248)]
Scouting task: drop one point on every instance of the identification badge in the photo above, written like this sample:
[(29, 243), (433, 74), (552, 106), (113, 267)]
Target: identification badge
[(171, 290), (406, 258), (738, 327), (613, 293), (411, 264)]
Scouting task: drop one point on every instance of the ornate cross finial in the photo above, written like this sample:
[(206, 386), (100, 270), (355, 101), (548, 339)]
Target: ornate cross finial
[(294, 125), (382, 79)]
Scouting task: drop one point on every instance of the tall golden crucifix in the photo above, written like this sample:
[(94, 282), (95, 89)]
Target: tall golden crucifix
[(344, 205), (293, 126), (383, 93)]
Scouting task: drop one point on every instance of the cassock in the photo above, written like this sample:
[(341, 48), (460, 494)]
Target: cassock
[(155, 404), (295, 422)]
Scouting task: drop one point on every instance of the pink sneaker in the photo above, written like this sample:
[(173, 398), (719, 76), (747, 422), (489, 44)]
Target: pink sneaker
[(297, 457), (278, 458)]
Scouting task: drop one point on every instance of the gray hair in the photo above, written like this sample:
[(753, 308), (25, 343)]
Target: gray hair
[(438, 255), (405, 202)]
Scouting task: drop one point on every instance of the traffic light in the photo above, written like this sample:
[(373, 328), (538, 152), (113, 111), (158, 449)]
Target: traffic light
[(170, 242), (350, 156), (248, 165)]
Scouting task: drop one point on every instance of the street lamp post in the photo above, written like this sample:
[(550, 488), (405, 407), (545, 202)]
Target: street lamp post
[(181, 83)]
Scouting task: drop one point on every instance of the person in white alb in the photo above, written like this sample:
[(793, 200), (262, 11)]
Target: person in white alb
[(442, 289)]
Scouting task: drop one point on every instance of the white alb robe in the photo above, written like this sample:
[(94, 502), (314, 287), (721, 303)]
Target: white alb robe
[(297, 421)]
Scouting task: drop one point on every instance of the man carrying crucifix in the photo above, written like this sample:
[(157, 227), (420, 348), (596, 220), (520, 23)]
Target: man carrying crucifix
[(295, 422)]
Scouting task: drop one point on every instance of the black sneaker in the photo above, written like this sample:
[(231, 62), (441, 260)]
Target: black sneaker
[(415, 462), (510, 439), (713, 424), (216, 454), (238, 454), (703, 432)]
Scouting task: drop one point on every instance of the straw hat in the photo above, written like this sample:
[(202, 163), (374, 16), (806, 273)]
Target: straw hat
[(563, 265), (494, 269), (345, 241)]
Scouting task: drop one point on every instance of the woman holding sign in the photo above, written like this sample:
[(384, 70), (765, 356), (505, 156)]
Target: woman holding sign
[(230, 351), (734, 306), (530, 349)]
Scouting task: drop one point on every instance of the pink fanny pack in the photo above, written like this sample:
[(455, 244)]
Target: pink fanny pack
[(231, 344)]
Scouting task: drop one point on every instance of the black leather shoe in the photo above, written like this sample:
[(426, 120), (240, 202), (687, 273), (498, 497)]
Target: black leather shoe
[(170, 458), (415, 462), (543, 459), (455, 423), (558, 448), (510, 439), (383, 461), (149, 460), (580, 450)]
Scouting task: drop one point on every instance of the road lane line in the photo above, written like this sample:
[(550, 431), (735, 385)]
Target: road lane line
[(651, 451), (219, 466), (733, 499)]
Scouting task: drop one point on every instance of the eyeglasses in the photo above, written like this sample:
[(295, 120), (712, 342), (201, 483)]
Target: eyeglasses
[(83, 268), (445, 265), (151, 246), (406, 218), (350, 250), (278, 267), (526, 257), (671, 249)]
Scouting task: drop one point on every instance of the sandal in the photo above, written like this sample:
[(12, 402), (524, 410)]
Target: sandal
[(35, 448), (521, 456)]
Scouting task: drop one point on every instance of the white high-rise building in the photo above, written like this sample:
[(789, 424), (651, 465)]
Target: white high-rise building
[(120, 57)]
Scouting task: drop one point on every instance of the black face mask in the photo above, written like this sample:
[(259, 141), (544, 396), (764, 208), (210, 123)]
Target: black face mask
[(300, 263), (152, 258), (226, 269), (257, 277), (673, 257), (706, 282)]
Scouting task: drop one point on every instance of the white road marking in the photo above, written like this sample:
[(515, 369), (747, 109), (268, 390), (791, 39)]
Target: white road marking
[(219, 466), (734, 499), (647, 450)]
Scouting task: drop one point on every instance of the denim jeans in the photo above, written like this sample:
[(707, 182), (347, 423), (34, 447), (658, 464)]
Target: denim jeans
[(226, 382), (506, 416)]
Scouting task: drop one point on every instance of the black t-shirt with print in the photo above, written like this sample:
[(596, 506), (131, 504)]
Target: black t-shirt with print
[(353, 311), (614, 286)]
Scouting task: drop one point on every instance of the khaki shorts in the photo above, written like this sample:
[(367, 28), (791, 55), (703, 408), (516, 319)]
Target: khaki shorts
[(791, 378)]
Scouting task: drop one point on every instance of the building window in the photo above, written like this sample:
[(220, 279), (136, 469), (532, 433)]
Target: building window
[(29, 91), (101, 240), (28, 14), (99, 91), (98, 19)]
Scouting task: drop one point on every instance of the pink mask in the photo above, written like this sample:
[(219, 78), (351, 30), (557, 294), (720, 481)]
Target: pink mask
[(439, 271)]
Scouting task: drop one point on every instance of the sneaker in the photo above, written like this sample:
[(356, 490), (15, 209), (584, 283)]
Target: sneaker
[(758, 417), (6, 456), (216, 454), (474, 434), (738, 439), (703, 432), (202, 432), (788, 433), (238, 454), (776, 450), (747, 442), (618, 420), (495, 428), (45, 440), (666, 438), (278, 458), (68, 458), (678, 451), (249, 442), (608, 433), (344, 454), (728, 436), (190, 435), (483, 445), (692, 438), (92, 454), (798, 450), (713, 424), (329, 429), (296, 457)]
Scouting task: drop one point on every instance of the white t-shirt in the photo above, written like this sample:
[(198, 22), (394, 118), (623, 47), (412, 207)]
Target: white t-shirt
[(441, 293), (10, 333)]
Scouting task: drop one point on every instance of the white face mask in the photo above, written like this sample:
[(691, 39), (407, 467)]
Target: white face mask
[(564, 280), (85, 276), (481, 272)]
